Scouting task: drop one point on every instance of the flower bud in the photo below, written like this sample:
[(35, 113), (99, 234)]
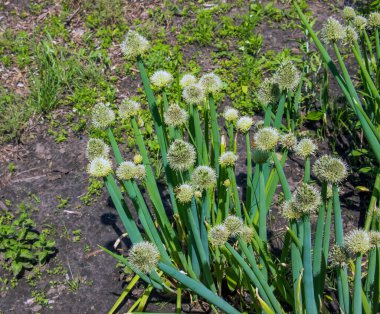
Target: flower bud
[(126, 170), (374, 20), (288, 141), (339, 256), (219, 235), (137, 159), (348, 13), (230, 114), (269, 92), (287, 76), (184, 193), (227, 159), (359, 22), (233, 225), (175, 116)]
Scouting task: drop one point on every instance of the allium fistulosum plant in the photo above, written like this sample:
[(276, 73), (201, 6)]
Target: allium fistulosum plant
[(211, 240)]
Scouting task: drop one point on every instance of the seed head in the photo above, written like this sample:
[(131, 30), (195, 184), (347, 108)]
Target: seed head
[(137, 159), (184, 193), (203, 178), (330, 169), (193, 94), (186, 80), (374, 20), (134, 45), (140, 172), (359, 22), (175, 116), (332, 31), (374, 237), (339, 256), (358, 241), (233, 224), (230, 114), (211, 83), (244, 124), (305, 148), (288, 141), (287, 76), (161, 78), (181, 155), (290, 211), (219, 235), (307, 199), (348, 13), (227, 159), (126, 170), (129, 108), (246, 233), (260, 156), (99, 167), (266, 138), (351, 36), (144, 256), (96, 148), (102, 116), (269, 92)]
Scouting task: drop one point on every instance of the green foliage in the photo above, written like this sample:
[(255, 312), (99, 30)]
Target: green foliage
[(21, 246)]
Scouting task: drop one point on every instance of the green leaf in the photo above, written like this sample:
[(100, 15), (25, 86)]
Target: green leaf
[(365, 169), (27, 254), (359, 152), (314, 115), (16, 268), (232, 278)]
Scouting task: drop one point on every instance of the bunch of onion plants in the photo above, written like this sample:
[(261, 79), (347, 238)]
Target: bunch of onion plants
[(210, 239)]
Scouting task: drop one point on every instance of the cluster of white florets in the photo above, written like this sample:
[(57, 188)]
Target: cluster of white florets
[(144, 256), (134, 45), (161, 78)]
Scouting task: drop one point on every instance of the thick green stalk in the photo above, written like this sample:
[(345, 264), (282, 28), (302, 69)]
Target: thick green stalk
[(172, 132), (280, 111), (317, 254), (357, 301), (372, 204), (231, 177), (249, 171), (311, 307), (124, 294), (205, 263), (342, 273), (370, 280), (306, 177), (198, 288), (268, 116), (376, 290), (377, 44), (215, 133), (262, 217)]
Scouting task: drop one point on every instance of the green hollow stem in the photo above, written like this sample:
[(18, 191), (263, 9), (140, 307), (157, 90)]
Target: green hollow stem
[(262, 216), (280, 111), (369, 47), (198, 288), (268, 116), (124, 294), (318, 243), (306, 177), (377, 44), (342, 273), (357, 300), (231, 177), (311, 307), (249, 171), (372, 204), (172, 132), (205, 263), (215, 133), (376, 290), (370, 280)]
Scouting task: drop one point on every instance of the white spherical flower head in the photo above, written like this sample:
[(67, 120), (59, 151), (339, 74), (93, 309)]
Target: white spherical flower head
[(181, 155), (134, 45), (374, 237), (184, 193), (374, 20), (234, 225), (351, 36), (244, 124), (99, 167), (193, 94), (332, 31), (102, 116), (219, 235), (330, 169), (161, 78), (290, 211), (129, 108), (307, 199), (288, 141), (227, 159), (211, 83), (187, 79), (126, 170), (140, 172), (338, 256), (246, 234), (96, 148), (175, 116), (269, 92), (348, 13), (359, 22), (203, 177), (287, 76), (305, 148), (266, 138), (231, 114), (358, 241), (144, 256)]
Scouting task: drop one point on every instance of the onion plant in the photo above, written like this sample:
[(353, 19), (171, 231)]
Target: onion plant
[(212, 240)]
